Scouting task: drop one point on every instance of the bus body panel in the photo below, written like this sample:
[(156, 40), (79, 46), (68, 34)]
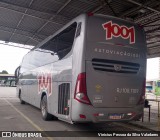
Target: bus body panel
[(115, 68), (63, 69), (95, 115)]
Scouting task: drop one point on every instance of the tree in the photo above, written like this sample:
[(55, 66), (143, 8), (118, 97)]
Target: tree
[(4, 72)]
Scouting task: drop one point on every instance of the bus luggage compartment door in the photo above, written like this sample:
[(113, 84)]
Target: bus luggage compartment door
[(63, 98)]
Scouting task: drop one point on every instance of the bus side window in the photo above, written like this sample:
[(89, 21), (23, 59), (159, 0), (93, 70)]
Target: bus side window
[(54, 49), (78, 32), (49, 52), (25, 66), (65, 40), (17, 73)]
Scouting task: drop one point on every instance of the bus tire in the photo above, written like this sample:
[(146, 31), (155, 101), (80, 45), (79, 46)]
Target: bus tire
[(20, 98), (44, 111)]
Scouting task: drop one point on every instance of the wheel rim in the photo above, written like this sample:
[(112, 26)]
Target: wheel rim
[(43, 108)]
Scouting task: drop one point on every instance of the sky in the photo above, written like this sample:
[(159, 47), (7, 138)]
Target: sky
[(153, 68), (11, 57)]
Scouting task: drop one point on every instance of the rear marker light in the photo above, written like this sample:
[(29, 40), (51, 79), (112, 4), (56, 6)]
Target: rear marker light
[(82, 116), (90, 14), (65, 108), (131, 114), (98, 114)]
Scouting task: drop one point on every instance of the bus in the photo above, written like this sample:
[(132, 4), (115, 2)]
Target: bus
[(91, 70), (156, 87), (10, 83), (153, 86)]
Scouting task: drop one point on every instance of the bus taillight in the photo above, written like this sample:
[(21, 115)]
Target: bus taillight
[(90, 14), (80, 90)]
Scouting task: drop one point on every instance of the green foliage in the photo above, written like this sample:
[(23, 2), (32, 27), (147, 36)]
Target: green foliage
[(157, 88), (4, 72)]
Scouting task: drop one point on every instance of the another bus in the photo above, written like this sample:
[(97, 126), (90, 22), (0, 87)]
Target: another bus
[(91, 70), (156, 87)]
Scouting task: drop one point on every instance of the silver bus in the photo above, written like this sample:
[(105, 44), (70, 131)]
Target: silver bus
[(91, 70)]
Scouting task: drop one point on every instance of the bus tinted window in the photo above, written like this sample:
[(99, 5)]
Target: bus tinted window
[(65, 41), (48, 51), (58, 47), (36, 58), (53, 50), (26, 63)]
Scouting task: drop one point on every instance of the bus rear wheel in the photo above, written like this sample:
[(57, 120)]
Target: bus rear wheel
[(45, 115)]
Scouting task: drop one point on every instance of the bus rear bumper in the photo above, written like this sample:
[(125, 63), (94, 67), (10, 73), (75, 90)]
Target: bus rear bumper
[(87, 113)]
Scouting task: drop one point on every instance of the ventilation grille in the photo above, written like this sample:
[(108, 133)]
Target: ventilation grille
[(63, 97), (115, 66)]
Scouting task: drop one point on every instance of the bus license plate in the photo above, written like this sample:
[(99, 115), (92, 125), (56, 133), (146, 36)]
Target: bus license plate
[(115, 116)]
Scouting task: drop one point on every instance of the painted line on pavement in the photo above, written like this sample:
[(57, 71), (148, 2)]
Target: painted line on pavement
[(29, 120)]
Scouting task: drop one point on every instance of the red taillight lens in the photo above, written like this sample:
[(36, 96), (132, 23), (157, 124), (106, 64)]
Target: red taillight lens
[(80, 90), (90, 14), (82, 116), (142, 97)]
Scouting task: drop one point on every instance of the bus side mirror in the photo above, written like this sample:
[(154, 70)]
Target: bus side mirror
[(16, 74)]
